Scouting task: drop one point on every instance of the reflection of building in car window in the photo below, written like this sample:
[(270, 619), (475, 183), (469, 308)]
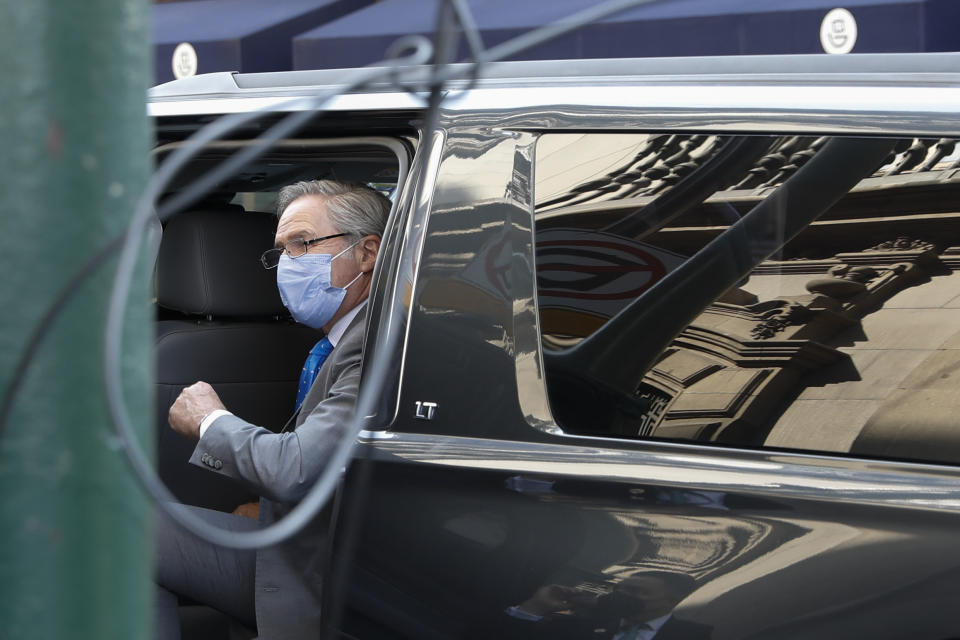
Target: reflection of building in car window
[(842, 339)]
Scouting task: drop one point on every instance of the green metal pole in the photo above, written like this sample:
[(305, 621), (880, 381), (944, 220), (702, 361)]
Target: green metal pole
[(75, 548)]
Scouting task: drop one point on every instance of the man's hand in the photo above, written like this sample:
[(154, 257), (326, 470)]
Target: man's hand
[(191, 406)]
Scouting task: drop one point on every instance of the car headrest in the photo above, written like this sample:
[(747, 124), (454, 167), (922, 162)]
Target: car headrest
[(209, 264)]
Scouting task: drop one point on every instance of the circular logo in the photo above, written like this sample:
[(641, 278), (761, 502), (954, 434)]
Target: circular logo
[(838, 31), (184, 61)]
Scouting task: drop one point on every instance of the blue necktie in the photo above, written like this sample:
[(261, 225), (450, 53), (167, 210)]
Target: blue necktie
[(311, 368)]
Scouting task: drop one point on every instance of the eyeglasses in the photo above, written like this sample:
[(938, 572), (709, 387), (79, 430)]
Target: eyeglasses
[(295, 248)]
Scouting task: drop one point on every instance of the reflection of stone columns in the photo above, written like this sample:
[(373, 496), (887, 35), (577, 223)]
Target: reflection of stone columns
[(727, 376)]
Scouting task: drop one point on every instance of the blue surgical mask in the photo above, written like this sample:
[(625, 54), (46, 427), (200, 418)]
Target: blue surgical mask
[(306, 290)]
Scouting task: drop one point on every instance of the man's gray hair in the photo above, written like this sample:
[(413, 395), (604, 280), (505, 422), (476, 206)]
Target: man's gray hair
[(352, 207)]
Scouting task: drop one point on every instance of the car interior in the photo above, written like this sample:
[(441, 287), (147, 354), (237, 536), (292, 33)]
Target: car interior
[(219, 315)]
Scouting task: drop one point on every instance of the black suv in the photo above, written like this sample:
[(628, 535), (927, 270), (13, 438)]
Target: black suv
[(678, 336)]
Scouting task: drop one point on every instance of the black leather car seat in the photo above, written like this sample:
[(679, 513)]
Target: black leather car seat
[(223, 323)]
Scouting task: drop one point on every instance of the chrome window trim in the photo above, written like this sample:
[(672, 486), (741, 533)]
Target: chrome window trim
[(681, 465), (212, 105), (411, 256), (717, 95), (527, 341), (909, 108)]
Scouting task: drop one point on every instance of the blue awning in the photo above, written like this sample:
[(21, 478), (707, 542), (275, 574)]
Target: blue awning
[(237, 35), (667, 28)]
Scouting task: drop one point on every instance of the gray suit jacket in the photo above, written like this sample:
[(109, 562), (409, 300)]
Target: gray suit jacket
[(281, 467)]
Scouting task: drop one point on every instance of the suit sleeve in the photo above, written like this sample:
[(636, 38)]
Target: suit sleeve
[(283, 466)]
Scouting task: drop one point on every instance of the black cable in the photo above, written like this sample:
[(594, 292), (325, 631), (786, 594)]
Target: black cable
[(461, 12), (339, 571), (419, 48), (311, 504), (319, 493), (471, 33), (548, 32), (317, 496), (398, 47)]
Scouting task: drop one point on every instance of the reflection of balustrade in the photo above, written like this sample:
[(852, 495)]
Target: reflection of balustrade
[(662, 160), (658, 163)]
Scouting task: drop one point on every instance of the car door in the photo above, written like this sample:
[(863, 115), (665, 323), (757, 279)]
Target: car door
[(772, 456)]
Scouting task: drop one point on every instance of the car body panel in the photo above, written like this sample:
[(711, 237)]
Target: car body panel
[(466, 499)]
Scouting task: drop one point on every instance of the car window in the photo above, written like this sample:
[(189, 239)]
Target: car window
[(795, 292), (379, 162)]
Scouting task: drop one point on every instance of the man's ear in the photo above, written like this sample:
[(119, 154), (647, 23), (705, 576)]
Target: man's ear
[(369, 248)]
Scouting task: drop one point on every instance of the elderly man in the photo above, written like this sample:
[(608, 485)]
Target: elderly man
[(326, 245)]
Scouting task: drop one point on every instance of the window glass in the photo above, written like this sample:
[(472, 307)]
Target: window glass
[(790, 292), (256, 185)]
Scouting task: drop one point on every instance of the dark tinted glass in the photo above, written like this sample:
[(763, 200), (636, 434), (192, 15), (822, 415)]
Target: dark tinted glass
[(792, 292)]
